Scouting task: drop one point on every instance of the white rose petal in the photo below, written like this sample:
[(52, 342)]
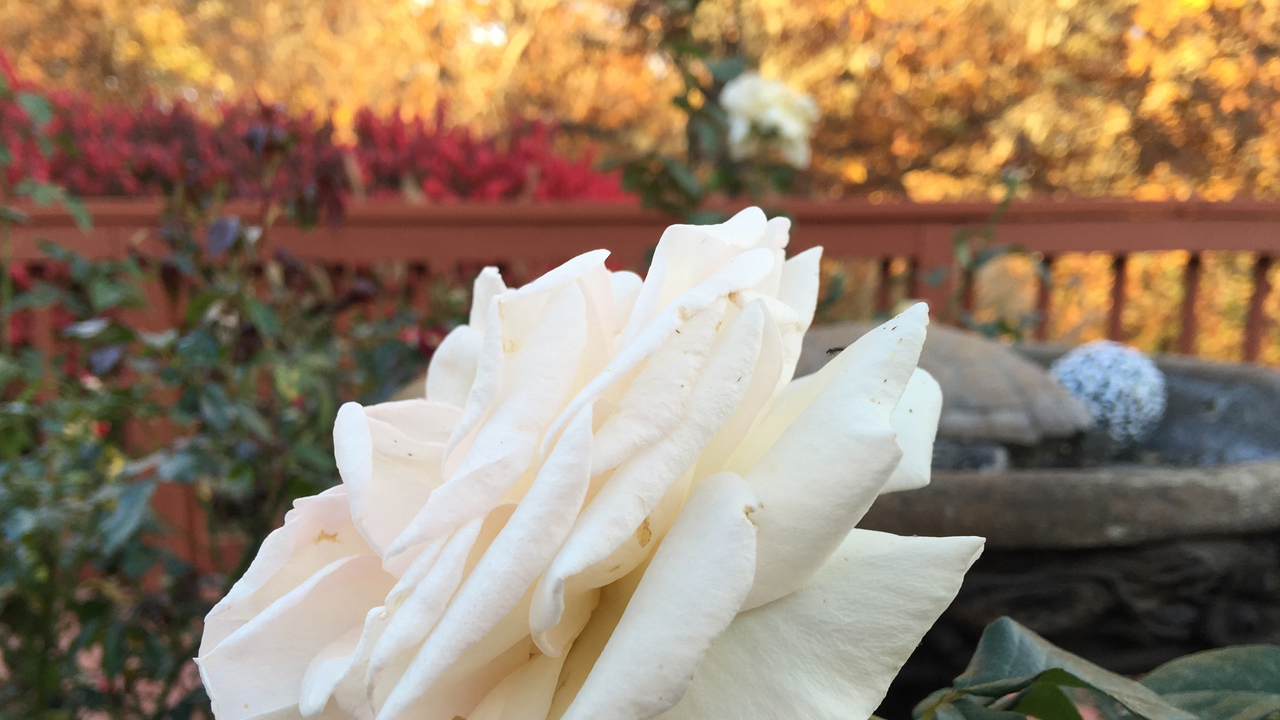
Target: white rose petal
[(689, 594), (915, 420), (614, 502), (829, 651), (764, 113)]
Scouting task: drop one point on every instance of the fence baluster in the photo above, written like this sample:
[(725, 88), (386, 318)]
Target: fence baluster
[(416, 294), (1044, 297), (1115, 323), (1190, 293), (884, 290), (1256, 322)]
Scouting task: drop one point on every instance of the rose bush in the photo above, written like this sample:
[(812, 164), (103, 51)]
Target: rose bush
[(612, 502), (766, 114)]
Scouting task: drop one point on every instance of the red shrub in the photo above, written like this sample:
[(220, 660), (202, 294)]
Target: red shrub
[(117, 151)]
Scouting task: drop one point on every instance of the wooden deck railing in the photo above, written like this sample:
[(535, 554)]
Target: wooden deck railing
[(438, 236)]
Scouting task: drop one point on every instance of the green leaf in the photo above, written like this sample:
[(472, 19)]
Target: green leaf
[(41, 295), (708, 139), (1249, 668), (8, 213), (706, 217), (971, 709), (105, 294), (683, 47), (1047, 701), (262, 317), (78, 212), (1227, 704), (120, 525), (1236, 683), (256, 424), (113, 649), (727, 69), (683, 177), (309, 455), (40, 193), (199, 304), (37, 107), (215, 407), (1010, 657), (934, 698)]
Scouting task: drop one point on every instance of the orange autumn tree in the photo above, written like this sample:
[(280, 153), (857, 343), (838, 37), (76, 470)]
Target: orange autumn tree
[(568, 62), (1137, 98)]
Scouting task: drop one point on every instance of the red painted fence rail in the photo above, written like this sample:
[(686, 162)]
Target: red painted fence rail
[(439, 236)]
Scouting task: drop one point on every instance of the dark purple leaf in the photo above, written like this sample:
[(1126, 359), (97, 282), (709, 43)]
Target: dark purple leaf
[(103, 359), (222, 233)]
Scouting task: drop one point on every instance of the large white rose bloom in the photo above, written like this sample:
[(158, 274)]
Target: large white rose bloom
[(768, 113), (612, 504)]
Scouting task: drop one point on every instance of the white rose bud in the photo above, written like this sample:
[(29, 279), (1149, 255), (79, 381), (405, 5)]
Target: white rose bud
[(613, 503), (767, 114)]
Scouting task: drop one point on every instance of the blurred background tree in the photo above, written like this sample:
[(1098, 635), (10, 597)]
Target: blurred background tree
[(1139, 98)]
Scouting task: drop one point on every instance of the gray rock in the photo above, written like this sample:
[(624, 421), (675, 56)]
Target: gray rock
[(989, 390), (981, 455), (1216, 413), (1115, 506)]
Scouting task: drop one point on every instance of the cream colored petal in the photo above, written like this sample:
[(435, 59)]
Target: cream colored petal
[(688, 256), (260, 667), (587, 646), (316, 533), (659, 396), (797, 153), (566, 273), (777, 233), (626, 288), (333, 663), (915, 420), (330, 712), (513, 321), (422, 421), (829, 650), (518, 554), (425, 603), (452, 370), (524, 694), (490, 356), (461, 689), (389, 473), (799, 287), (829, 464), (539, 366), (739, 273), (615, 516), (487, 286), (687, 597), (765, 377)]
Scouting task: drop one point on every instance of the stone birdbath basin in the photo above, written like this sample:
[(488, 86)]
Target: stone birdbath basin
[(1171, 547)]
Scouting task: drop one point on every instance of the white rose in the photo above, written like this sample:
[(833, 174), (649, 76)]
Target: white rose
[(613, 503), (768, 113)]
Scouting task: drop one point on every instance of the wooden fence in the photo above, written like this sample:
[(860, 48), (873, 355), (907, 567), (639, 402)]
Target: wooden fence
[(436, 237)]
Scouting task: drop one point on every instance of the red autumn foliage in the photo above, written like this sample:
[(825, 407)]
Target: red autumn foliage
[(119, 151)]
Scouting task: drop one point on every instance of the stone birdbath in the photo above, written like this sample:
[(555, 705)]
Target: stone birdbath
[(1171, 547)]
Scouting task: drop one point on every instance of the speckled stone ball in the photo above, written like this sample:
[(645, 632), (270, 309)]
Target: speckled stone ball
[(1122, 388)]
